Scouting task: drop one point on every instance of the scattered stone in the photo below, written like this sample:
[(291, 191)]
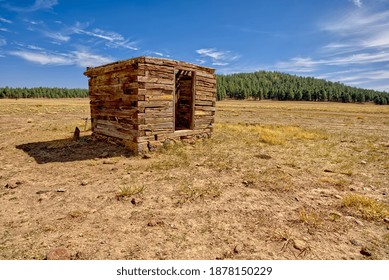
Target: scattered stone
[(263, 156), (133, 201), (386, 220), (329, 171), (108, 161), (296, 198), (84, 183), (61, 190), (11, 186), (29, 121), (336, 214), (154, 223), (238, 248), (363, 162), (146, 156), (355, 242), (365, 251), (58, 254), (42, 192), (352, 189), (353, 219), (299, 244), (338, 196)]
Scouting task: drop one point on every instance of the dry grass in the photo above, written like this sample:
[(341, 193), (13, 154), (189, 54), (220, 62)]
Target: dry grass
[(268, 166), (128, 191), (367, 207)]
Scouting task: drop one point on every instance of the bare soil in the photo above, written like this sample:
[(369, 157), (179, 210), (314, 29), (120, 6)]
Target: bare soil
[(278, 180)]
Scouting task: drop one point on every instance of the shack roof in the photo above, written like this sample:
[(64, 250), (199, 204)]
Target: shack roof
[(116, 66)]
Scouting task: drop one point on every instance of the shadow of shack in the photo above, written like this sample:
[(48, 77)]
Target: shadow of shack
[(144, 101)]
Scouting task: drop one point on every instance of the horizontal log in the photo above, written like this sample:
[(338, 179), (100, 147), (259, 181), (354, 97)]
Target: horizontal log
[(205, 108), (203, 113), (204, 103), (155, 104), (155, 80)]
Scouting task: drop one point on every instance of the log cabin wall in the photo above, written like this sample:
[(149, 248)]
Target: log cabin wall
[(145, 101)]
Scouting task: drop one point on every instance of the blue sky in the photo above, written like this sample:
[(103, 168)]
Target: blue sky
[(51, 42)]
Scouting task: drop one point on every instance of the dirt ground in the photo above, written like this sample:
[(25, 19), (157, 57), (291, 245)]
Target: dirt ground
[(278, 180)]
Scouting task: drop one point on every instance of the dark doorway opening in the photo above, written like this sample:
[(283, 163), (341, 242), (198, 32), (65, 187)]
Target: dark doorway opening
[(184, 99)]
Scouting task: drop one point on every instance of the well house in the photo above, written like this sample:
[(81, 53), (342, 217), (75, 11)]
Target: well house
[(143, 102)]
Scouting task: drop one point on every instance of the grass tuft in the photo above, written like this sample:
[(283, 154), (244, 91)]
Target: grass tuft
[(367, 207), (128, 191)]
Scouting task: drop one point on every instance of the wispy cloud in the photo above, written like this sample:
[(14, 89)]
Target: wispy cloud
[(3, 42), (58, 36), (358, 3), (87, 59), (5, 20), (38, 5), (217, 57), (360, 42), (82, 58), (112, 39), (4, 29), (43, 58)]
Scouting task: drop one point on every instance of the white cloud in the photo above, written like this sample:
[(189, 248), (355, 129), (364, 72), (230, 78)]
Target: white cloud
[(115, 40), (43, 57), (86, 59), (218, 58), (212, 53), (3, 42), (79, 58), (358, 3), (220, 63), (4, 29), (56, 36), (38, 5), (5, 20)]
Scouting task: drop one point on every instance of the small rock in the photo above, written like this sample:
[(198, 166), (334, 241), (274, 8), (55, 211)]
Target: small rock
[(263, 156), (365, 251), (351, 218), (61, 190), (238, 248), (352, 189), (133, 201), (329, 171), (386, 220), (58, 254), (42, 192), (108, 161), (29, 121), (84, 183), (336, 214), (10, 186), (154, 223), (337, 196), (363, 162), (146, 156), (299, 244), (355, 242)]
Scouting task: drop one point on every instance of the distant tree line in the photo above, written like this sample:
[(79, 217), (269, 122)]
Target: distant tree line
[(279, 86), (42, 92)]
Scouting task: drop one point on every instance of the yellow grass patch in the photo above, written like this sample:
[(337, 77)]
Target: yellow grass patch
[(369, 208)]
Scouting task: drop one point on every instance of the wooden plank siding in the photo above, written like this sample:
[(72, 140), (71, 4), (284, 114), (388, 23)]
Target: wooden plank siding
[(135, 101)]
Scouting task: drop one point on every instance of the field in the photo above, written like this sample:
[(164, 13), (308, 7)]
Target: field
[(278, 180)]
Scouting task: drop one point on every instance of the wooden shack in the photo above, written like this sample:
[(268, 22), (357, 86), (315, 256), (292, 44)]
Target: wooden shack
[(143, 102)]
